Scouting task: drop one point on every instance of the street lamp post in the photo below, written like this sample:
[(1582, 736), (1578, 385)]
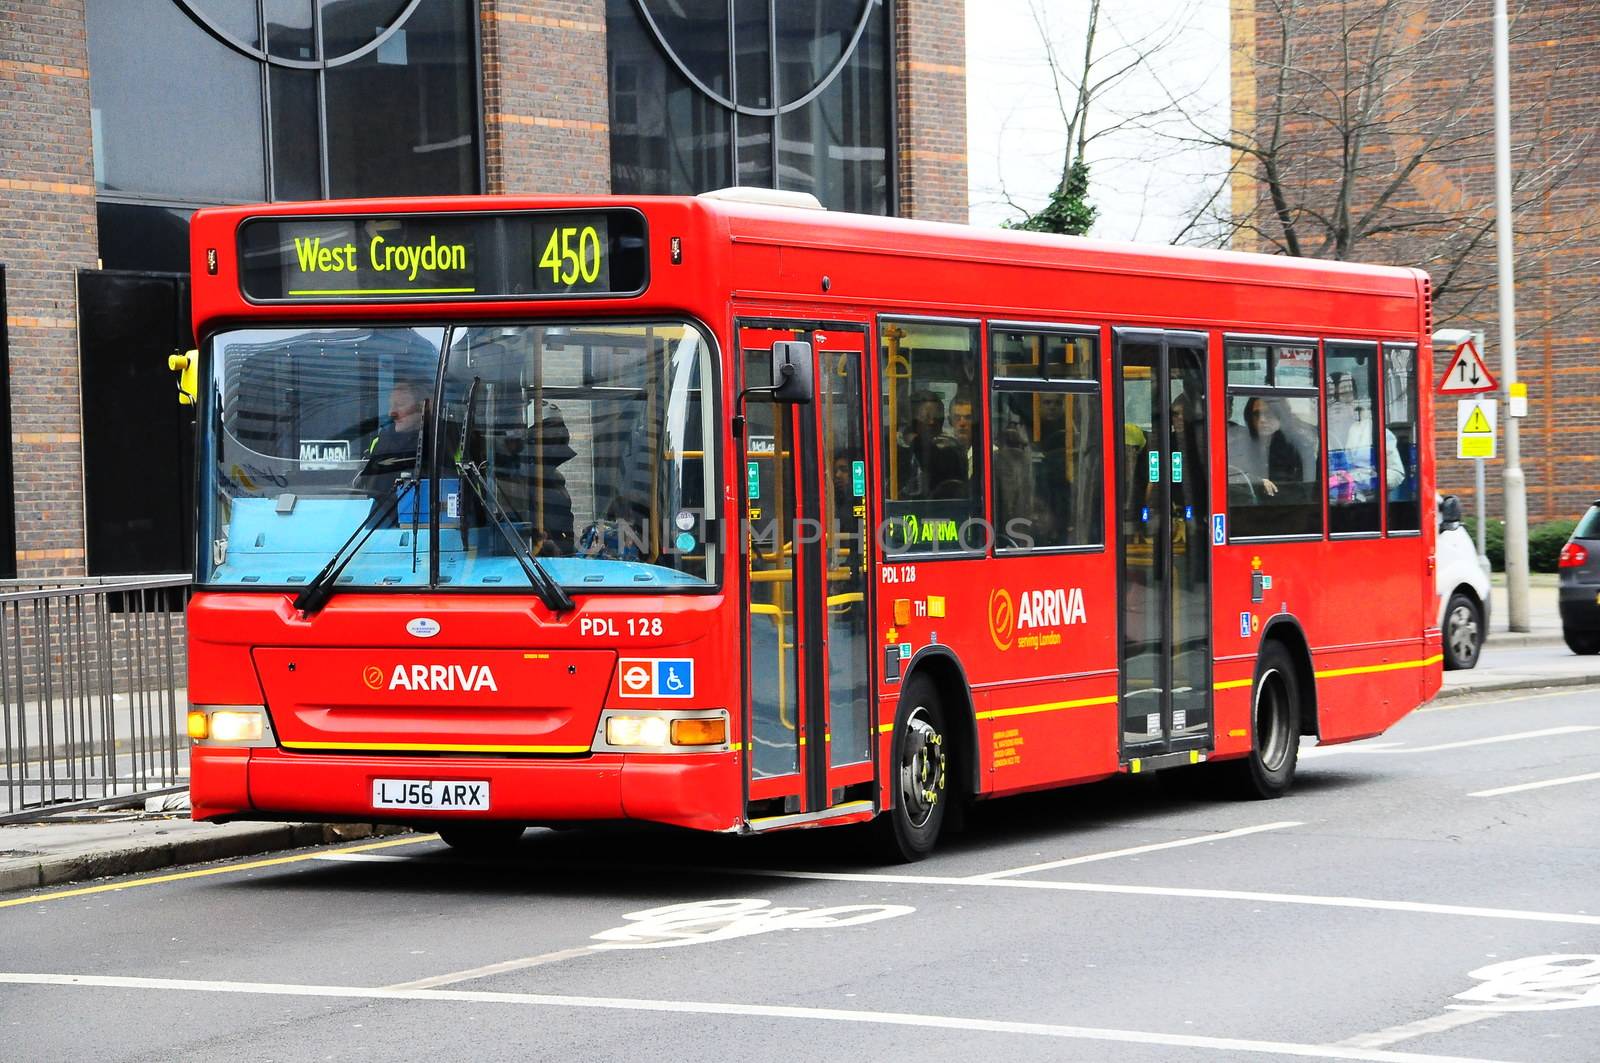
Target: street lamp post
[(1516, 498)]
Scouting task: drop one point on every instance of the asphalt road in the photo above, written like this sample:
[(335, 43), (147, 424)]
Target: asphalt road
[(1402, 904)]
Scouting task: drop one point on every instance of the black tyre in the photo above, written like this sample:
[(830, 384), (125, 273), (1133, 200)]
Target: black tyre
[(1463, 632), (910, 829), (481, 839), (1583, 643), (1275, 726)]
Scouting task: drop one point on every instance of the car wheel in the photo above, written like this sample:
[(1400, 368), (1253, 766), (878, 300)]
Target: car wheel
[(1463, 632), (481, 839), (909, 830), (1268, 770), (1581, 642)]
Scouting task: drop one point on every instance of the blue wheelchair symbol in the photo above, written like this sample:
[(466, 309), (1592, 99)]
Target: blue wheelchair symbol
[(1219, 529), (675, 679)]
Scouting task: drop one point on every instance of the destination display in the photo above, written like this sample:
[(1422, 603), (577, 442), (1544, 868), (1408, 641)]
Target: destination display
[(389, 258)]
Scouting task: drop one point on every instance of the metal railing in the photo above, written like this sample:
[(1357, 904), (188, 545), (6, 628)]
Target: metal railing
[(92, 693)]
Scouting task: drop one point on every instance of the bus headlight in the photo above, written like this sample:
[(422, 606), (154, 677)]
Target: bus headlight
[(664, 731), (234, 725), (636, 731)]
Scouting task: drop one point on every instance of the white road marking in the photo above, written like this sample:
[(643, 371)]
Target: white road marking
[(365, 858), (1134, 851), (1536, 983), (1313, 900), (1447, 1020), (491, 969), (699, 922), (763, 1011), (1497, 791), (691, 923), (1392, 748)]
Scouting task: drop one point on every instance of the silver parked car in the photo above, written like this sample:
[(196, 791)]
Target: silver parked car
[(1463, 589)]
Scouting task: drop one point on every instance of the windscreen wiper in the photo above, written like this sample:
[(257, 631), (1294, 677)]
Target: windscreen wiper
[(550, 592), (320, 589)]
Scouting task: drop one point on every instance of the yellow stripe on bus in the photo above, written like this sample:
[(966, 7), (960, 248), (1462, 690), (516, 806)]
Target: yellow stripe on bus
[(1393, 666), (1050, 706), (432, 747), (1335, 673)]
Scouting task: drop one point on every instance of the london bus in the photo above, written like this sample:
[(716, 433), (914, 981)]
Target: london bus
[(736, 514)]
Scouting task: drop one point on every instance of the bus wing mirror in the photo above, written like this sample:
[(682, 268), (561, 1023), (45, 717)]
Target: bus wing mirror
[(188, 376), (791, 372)]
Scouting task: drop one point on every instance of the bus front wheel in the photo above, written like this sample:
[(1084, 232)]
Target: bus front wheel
[(1268, 770), (910, 829)]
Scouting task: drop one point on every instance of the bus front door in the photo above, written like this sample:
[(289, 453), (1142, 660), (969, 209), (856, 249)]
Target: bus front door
[(808, 725), (1164, 543)]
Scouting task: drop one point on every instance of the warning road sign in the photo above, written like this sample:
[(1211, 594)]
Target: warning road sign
[(1466, 374), (1475, 423)]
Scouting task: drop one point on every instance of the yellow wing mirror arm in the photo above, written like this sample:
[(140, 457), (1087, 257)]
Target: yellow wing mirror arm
[(185, 365)]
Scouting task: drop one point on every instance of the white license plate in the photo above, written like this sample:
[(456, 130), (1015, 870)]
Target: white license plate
[(438, 794)]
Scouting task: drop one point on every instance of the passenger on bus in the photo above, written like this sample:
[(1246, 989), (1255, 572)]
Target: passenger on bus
[(938, 468), (1268, 457), (530, 482), (393, 450), (961, 426)]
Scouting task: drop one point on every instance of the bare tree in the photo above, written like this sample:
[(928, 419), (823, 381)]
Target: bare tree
[(1363, 131), (1087, 87)]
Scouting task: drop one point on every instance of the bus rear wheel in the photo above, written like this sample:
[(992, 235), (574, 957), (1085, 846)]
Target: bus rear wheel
[(910, 829), (481, 839), (1268, 771)]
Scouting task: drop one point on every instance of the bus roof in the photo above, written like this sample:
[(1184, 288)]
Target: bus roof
[(748, 228)]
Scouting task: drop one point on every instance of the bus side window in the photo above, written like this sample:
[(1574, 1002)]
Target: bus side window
[(933, 432), (1274, 440), (1045, 438), (1400, 437)]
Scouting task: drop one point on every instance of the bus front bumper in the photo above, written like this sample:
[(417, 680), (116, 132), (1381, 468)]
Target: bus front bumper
[(700, 791)]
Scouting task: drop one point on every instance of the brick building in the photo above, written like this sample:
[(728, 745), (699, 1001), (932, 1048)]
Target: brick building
[(1436, 65), (119, 117)]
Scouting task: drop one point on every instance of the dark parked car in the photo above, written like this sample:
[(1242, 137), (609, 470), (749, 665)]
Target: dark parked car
[(1580, 585)]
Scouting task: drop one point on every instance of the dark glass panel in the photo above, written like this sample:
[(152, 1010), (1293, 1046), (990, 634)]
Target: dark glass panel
[(695, 30), (836, 146), (753, 49), (402, 120), (351, 24), (755, 151), (144, 238), (296, 160), (291, 31), (667, 137), (138, 445), (811, 38), (292, 97), (176, 114), (236, 19)]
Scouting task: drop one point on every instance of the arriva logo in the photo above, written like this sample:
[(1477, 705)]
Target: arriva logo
[(1056, 608), (435, 677), (1031, 621)]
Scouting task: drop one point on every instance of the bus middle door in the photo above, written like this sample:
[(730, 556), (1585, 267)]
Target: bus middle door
[(808, 728), (1164, 544)]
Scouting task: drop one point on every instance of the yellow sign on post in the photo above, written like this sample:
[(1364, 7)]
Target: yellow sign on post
[(1475, 425)]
